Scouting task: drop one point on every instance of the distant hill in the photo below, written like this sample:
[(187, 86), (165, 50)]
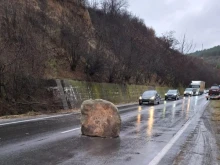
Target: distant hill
[(215, 51), (211, 56)]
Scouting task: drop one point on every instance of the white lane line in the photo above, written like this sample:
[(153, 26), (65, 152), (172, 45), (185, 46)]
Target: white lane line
[(23, 121), (70, 130), (36, 119), (162, 153)]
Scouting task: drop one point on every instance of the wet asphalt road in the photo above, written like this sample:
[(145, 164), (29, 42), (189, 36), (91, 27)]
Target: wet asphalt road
[(146, 131)]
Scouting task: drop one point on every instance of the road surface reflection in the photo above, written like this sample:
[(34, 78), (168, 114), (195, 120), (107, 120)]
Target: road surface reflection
[(139, 119), (188, 108), (150, 121), (173, 110), (164, 109)]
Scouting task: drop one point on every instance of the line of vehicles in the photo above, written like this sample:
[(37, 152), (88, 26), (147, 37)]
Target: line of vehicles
[(195, 88)]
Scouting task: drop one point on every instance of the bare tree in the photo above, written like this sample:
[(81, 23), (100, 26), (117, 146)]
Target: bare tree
[(170, 41), (114, 6), (186, 46), (73, 40), (94, 4)]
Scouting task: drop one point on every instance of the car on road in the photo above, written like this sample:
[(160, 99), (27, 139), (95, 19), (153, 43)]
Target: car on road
[(150, 97), (214, 93), (188, 92), (172, 94), (206, 91)]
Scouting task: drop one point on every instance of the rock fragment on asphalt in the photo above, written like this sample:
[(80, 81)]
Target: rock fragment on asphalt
[(100, 118)]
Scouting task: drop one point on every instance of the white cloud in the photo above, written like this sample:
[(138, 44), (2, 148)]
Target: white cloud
[(198, 19)]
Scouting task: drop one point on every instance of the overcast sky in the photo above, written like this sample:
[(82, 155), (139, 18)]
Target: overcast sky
[(198, 19)]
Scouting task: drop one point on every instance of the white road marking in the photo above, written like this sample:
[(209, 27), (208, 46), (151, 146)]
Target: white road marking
[(70, 130), (162, 153), (36, 119)]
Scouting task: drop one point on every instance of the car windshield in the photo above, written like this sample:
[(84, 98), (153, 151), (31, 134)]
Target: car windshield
[(195, 86), (188, 89), (214, 87), (172, 91), (149, 93)]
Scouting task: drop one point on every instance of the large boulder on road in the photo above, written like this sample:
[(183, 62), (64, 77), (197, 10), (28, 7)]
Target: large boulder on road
[(100, 118)]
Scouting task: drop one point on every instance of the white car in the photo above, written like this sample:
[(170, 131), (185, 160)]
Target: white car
[(188, 92)]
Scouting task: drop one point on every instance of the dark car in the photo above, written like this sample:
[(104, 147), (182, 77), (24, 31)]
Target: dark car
[(150, 97), (172, 94)]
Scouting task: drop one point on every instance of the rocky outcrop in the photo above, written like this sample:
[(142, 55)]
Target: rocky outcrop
[(100, 118)]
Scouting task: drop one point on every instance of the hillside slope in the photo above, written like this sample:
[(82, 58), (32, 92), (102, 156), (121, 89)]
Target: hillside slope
[(142, 57), (47, 36), (40, 39), (211, 56), (215, 51), (50, 39)]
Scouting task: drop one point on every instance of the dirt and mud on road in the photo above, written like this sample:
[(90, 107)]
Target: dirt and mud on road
[(203, 144)]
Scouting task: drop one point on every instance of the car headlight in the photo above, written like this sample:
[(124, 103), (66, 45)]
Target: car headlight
[(152, 98), (165, 94), (140, 97)]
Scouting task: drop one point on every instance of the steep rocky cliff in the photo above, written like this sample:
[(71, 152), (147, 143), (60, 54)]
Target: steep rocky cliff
[(54, 32)]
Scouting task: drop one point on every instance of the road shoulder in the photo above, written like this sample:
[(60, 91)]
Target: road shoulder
[(201, 145), (214, 111)]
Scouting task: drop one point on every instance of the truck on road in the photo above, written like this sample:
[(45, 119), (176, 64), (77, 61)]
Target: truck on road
[(198, 87)]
